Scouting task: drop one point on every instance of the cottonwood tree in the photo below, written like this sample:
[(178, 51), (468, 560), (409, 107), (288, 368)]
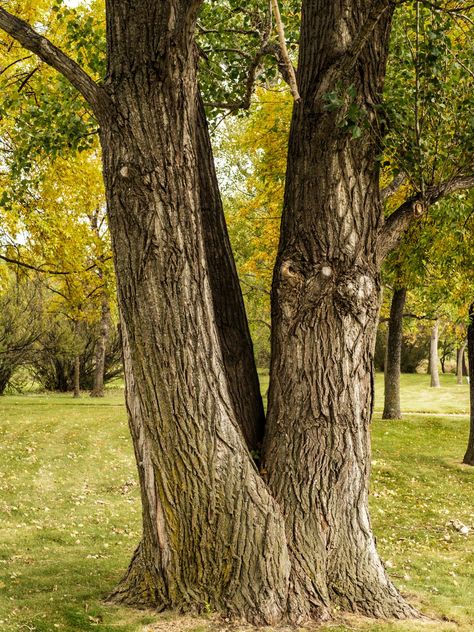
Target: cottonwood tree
[(295, 539)]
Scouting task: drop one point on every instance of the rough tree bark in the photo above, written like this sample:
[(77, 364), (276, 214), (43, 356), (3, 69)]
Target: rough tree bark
[(231, 319), (469, 456), (459, 363), (392, 408), (325, 304), (212, 533), (433, 360)]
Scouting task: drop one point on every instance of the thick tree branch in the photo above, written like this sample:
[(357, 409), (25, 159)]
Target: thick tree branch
[(57, 59), (398, 222), (379, 7)]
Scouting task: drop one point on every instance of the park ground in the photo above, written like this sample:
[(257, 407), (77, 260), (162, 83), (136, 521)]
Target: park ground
[(70, 513)]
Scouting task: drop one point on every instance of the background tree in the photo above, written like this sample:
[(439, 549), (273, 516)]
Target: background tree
[(21, 320)]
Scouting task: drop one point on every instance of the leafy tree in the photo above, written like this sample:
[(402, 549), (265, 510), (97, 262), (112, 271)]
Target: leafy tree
[(20, 325), (59, 343)]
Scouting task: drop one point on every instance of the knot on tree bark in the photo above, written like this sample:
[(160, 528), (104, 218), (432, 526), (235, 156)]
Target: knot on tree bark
[(302, 287), (419, 208)]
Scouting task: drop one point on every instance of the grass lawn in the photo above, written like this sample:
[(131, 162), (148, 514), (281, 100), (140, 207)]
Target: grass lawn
[(70, 512)]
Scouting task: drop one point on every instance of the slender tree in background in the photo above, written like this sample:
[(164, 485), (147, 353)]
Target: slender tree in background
[(469, 456), (214, 531), (459, 362), (391, 408), (433, 359)]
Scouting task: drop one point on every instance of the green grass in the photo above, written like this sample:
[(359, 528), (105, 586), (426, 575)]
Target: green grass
[(70, 512), (417, 396)]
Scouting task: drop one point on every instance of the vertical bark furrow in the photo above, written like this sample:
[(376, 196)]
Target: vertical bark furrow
[(325, 302)]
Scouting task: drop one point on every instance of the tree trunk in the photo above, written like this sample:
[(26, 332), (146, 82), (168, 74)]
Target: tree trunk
[(459, 363), (325, 304), (100, 350), (231, 319), (465, 371), (77, 376), (433, 362), (393, 357), (5, 376), (212, 534), (469, 456)]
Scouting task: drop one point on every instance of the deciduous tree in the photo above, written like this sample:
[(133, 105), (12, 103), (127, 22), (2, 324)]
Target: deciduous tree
[(295, 541)]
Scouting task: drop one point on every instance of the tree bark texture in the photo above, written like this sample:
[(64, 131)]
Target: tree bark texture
[(231, 319), (101, 349), (212, 534), (325, 304), (469, 456), (459, 363), (392, 408), (433, 361), (215, 533)]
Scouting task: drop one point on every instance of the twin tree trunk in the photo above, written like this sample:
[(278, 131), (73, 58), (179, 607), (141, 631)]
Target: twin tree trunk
[(393, 356), (294, 541), (214, 531)]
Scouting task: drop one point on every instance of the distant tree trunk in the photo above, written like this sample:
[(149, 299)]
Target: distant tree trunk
[(465, 371), (459, 363), (5, 376), (442, 361), (393, 356), (433, 362), (77, 376), (469, 456), (100, 351)]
